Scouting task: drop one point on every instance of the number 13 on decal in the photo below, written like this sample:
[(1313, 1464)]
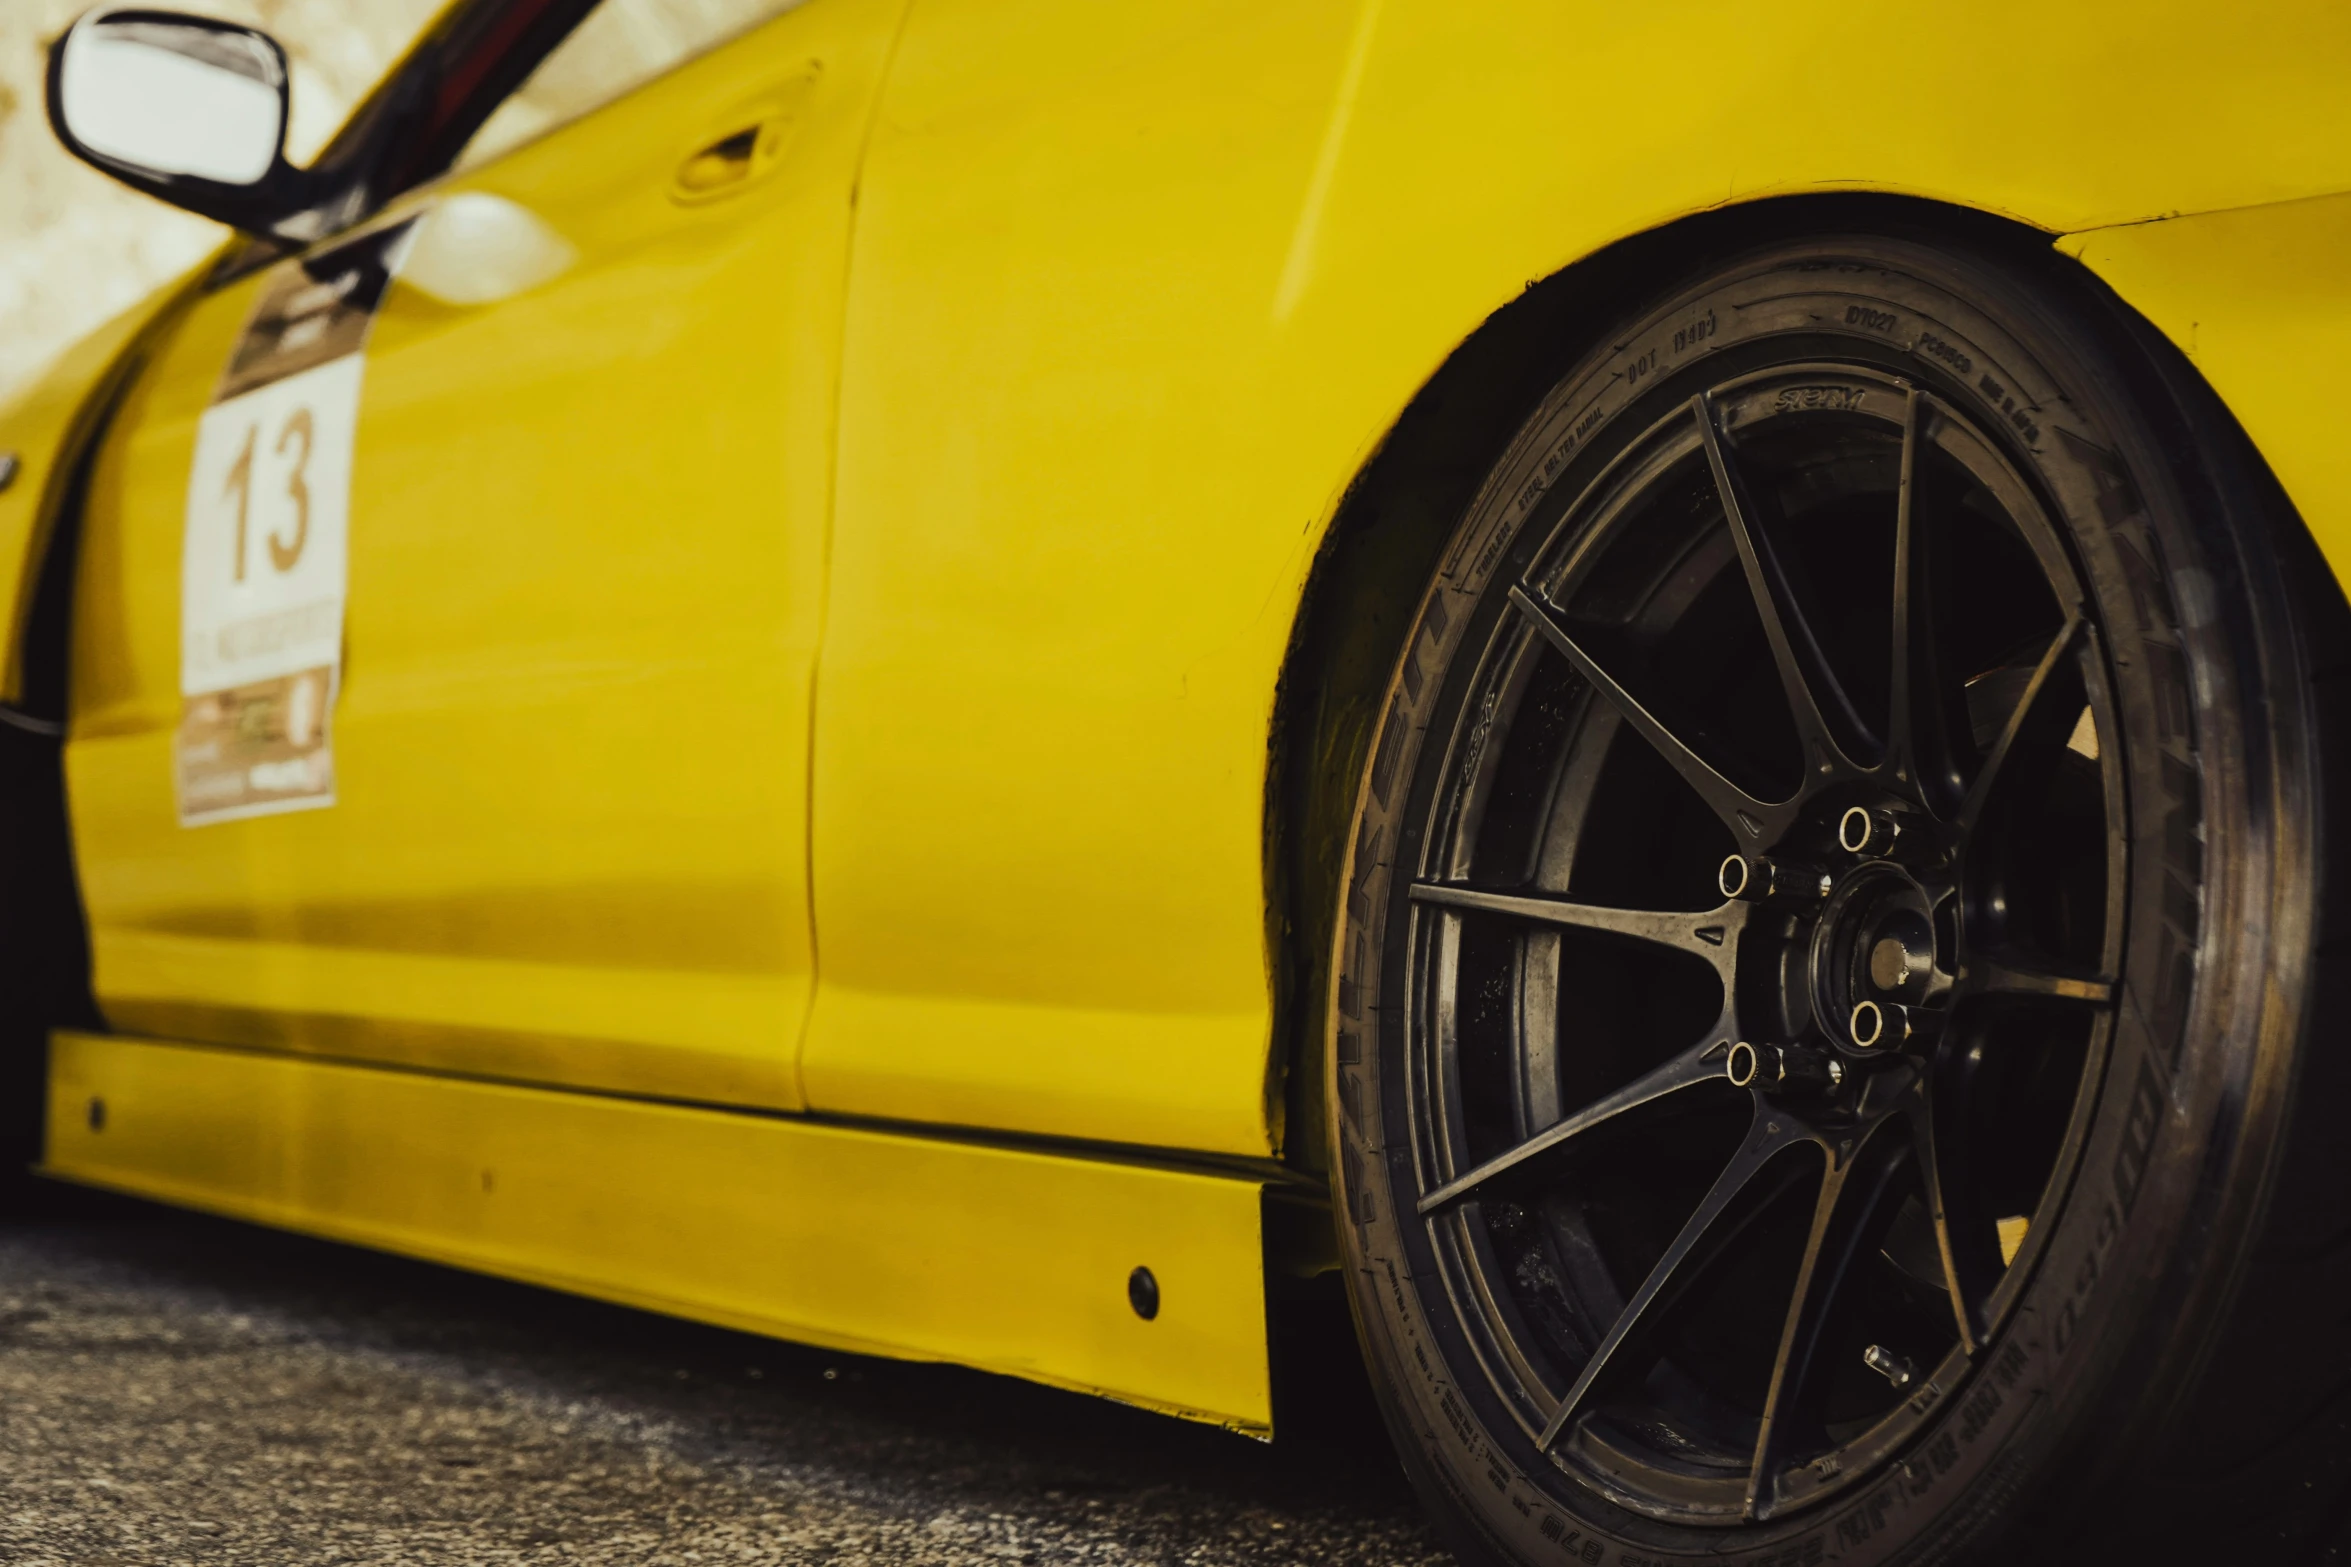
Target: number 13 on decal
[(261, 595), (262, 578), (283, 553)]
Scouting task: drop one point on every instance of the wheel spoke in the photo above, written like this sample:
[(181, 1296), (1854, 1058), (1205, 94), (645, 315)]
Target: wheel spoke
[(2037, 724), (1920, 741), (1993, 977), (1700, 1063), (1816, 698), (1966, 1241), (1748, 818), (1850, 1208), (1711, 1228), (1709, 934)]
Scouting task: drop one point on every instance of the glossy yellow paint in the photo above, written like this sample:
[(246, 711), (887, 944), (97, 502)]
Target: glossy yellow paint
[(1137, 291), (45, 428), (587, 554), (1005, 404), (1011, 1261), (2260, 301)]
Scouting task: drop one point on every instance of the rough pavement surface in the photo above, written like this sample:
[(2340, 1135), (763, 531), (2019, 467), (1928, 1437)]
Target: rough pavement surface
[(176, 1389)]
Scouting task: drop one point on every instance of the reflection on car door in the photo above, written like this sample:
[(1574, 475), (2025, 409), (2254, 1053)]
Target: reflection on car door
[(567, 749)]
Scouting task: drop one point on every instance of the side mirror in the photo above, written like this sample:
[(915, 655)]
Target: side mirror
[(184, 108)]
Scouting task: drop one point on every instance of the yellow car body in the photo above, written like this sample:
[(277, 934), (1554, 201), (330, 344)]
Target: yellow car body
[(803, 853)]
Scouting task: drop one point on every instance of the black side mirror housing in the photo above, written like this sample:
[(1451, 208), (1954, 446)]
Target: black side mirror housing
[(187, 109)]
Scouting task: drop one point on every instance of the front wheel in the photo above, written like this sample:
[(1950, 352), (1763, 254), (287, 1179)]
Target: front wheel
[(1830, 948)]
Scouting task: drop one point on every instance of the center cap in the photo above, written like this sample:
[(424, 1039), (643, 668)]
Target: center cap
[(1875, 941), (1903, 955)]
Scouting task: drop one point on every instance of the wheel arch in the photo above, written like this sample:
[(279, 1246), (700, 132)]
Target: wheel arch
[(1349, 630)]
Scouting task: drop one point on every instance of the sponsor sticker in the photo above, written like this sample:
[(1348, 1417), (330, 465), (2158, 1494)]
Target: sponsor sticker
[(263, 564)]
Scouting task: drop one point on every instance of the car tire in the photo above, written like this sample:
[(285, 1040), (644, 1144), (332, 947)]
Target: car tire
[(1828, 1037)]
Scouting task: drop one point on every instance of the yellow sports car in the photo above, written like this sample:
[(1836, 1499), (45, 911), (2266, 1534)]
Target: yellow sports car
[(992, 679)]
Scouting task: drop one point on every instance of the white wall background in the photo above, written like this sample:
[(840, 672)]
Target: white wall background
[(75, 247)]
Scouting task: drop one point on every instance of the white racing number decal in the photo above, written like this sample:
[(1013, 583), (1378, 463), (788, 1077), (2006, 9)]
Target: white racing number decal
[(263, 564)]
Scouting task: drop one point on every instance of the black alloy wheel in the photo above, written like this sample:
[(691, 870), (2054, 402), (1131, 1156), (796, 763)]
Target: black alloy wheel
[(1785, 878), (1894, 998)]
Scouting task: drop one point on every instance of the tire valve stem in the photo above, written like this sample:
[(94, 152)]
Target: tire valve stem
[(1894, 1368)]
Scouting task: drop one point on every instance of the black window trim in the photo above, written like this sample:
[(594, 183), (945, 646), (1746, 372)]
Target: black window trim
[(412, 126)]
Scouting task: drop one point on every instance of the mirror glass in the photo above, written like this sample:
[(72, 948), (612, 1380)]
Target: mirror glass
[(174, 97)]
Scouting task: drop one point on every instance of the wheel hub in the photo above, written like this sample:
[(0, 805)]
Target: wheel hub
[(1855, 958), (1874, 943)]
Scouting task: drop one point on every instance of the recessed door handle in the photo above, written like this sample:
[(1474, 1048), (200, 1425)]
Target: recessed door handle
[(753, 134), (726, 161)]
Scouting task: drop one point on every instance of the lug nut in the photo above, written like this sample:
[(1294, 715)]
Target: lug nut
[(1782, 1068), (1864, 831), (1738, 877), (1754, 877), (1876, 1023), (1802, 1069)]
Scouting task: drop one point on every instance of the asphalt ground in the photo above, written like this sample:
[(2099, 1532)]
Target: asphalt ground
[(178, 1389)]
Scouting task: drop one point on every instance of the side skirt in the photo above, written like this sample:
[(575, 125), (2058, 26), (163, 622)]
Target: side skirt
[(1010, 1260)]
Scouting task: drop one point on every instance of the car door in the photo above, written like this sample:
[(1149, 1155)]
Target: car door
[(535, 808)]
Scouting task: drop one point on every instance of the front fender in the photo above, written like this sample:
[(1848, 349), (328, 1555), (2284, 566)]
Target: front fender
[(49, 428)]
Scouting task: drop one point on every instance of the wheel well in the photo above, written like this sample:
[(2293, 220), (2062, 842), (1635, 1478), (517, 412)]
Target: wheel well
[(1382, 546)]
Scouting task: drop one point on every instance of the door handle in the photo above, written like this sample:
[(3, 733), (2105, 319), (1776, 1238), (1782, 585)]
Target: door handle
[(756, 132), (724, 163)]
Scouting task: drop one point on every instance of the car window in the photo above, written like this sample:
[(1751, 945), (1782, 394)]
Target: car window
[(622, 45)]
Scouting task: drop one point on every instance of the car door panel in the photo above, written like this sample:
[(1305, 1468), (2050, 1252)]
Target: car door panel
[(586, 543)]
